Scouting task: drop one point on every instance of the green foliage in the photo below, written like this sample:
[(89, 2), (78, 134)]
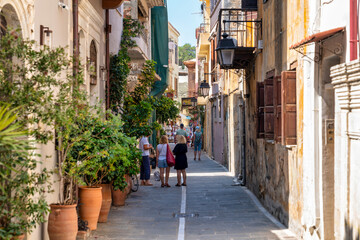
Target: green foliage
[(29, 78), (186, 52), (137, 107), (119, 64), (103, 154), (22, 188), (166, 108)]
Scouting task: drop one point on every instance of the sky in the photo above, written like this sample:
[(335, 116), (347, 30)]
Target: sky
[(185, 16)]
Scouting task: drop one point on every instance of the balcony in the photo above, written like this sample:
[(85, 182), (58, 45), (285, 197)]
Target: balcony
[(111, 4), (242, 25)]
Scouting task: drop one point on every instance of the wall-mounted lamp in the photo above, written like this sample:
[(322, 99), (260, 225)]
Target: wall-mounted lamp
[(204, 89), (193, 101), (44, 30), (226, 51), (103, 73)]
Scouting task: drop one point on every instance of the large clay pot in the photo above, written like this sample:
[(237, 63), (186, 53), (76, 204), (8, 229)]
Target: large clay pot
[(90, 200), (20, 237), (118, 197), (106, 202), (63, 222)]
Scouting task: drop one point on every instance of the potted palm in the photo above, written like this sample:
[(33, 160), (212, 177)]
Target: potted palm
[(19, 183)]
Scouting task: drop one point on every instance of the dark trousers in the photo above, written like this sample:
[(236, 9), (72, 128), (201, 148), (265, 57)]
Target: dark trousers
[(145, 168)]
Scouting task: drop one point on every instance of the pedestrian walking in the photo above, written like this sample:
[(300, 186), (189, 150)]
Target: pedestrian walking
[(181, 132), (144, 146), (161, 151), (181, 163), (197, 140)]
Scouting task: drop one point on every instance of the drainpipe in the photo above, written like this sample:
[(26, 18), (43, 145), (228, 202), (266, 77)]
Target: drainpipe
[(107, 32), (243, 155), (353, 29), (76, 37)]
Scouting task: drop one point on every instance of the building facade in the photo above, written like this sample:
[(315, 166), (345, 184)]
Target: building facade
[(287, 109), (173, 78)]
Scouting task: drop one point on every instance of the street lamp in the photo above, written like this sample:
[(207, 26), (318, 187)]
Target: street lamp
[(193, 101), (204, 89), (226, 51)]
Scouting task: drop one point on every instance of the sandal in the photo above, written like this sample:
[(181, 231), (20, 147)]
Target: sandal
[(162, 185), (178, 185), (184, 184), (167, 185)]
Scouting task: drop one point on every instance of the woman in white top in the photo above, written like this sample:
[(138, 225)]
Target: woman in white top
[(161, 151)]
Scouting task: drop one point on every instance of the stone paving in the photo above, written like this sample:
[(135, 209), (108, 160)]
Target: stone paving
[(215, 210)]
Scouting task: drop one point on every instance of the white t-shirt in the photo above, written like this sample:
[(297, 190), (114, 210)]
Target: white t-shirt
[(144, 141), (162, 148)]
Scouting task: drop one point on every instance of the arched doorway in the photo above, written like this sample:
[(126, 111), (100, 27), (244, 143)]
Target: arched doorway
[(9, 20)]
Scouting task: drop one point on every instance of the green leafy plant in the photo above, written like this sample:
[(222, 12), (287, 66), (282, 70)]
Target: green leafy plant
[(22, 186), (120, 64), (137, 107), (166, 108)]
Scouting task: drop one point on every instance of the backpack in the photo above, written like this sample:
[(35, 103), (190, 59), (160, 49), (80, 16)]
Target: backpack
[(198, 137)]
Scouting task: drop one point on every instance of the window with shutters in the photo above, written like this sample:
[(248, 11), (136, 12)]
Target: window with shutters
[(276, 108), (269, 108), (93, 63), (288, 107), (260, 110)]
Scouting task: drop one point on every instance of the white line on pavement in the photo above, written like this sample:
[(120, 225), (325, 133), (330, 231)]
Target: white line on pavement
[(183, 200), (181, 233)]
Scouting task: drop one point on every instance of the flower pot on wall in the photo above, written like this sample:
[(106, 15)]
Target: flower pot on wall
[(118, 197), (106, 202), (90, 199), (62, 217)]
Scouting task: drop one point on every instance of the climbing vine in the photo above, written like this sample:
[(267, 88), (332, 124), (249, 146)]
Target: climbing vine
[(120, 64)]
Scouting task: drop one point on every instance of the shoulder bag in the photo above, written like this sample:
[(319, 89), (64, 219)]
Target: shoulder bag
[(170, 160)]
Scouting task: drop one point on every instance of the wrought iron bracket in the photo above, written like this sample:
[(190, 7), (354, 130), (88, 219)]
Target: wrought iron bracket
[(301, 50)]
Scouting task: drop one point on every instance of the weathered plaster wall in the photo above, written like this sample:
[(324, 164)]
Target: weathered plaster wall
[(274, 171)]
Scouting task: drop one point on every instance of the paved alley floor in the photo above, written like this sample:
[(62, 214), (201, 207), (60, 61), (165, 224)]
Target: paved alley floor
[(208, 208)]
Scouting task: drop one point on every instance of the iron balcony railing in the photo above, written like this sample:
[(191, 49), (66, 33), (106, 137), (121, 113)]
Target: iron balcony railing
[(240, 24)]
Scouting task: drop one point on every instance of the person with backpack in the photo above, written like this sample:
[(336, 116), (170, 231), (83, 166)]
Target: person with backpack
[(197, 140)]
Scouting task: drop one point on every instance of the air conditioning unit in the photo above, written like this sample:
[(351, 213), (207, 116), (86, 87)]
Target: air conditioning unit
[(260, 44)]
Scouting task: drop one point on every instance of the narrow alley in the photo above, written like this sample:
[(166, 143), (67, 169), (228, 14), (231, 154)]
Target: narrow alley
[(214, 209)]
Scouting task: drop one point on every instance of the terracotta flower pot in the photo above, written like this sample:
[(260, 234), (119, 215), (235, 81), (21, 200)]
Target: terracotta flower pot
[(106, 202), (63, 217), (90, 200), (118, 197), (20, 237)]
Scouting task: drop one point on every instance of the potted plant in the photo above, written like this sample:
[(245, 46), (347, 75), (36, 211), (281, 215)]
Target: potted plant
[(29, 83), (20, 211), (91, 159)]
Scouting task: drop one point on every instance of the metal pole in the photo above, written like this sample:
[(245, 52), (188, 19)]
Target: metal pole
[(107, 30)]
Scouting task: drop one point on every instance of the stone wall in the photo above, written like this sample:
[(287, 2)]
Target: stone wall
[(346, 81)]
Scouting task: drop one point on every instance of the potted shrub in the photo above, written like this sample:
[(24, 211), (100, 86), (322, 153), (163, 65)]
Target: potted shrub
[(20, 211), (127, 157), (91, 159)]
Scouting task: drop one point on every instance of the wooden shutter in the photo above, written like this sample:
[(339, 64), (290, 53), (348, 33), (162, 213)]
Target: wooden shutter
[(269, 108), (260, 110), (288, 107), (277, 108)]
